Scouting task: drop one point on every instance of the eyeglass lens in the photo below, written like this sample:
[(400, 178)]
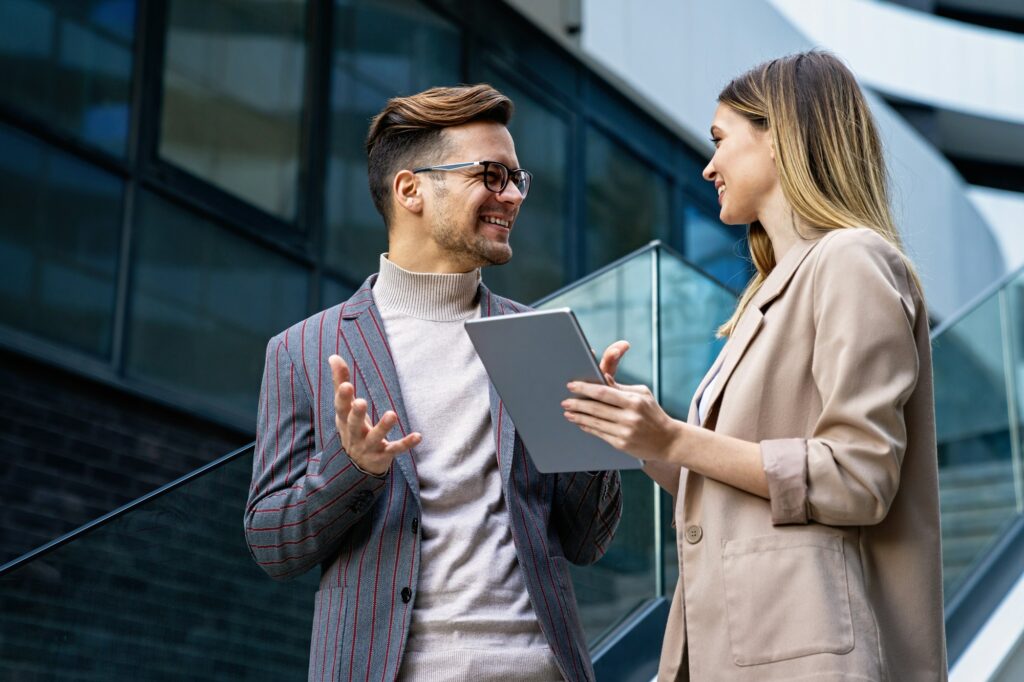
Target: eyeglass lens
[(496, 177)]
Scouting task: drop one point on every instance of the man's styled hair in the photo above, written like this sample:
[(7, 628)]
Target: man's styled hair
[(408, 131)]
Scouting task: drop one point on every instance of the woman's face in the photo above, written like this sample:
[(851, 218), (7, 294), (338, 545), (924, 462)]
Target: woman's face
[(743, 167)]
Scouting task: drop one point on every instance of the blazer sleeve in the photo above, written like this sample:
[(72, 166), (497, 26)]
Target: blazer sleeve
[(865, 366), (586, 512), (302, 502)]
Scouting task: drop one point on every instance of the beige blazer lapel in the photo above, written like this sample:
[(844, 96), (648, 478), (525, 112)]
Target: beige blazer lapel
[(753, 318)]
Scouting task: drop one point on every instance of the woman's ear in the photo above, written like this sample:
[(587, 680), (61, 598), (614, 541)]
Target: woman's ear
[(406, 190)]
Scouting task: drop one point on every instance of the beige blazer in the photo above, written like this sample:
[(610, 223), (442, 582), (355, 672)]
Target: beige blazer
[(838, 576)]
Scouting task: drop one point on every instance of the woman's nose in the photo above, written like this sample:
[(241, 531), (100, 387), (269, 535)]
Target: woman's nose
[(709, 171)]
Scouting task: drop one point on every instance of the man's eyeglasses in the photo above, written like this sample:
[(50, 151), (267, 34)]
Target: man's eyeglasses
[(495, 176)]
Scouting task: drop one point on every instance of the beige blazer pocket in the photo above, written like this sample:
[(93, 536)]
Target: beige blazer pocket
[(786, 596)]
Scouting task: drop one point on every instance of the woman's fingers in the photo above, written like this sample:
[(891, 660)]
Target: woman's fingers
[(612, 395), (610, 428), (593, 408)]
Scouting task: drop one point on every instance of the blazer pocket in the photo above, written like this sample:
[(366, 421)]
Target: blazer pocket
[(786, 596)]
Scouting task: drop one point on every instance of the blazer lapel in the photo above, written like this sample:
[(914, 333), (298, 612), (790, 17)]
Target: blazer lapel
[(753, 318), (504, 429), (362, 331)]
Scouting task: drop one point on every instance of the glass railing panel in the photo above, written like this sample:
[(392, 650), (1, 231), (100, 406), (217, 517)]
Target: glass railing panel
[(668, 311), (165, 592), (618, 304), (977, 402), (691, 307)]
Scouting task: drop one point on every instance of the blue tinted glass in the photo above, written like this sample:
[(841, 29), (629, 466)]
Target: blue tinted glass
[(70, 63), (58, 244), (204, 303), (538, 236), (233, 97), (720, 250), (370, 66), (628, 203)]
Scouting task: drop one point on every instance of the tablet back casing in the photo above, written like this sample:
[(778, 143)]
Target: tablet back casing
[(530, 357)]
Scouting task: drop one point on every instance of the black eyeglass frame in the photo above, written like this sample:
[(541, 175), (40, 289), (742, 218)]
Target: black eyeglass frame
[(522, 185)]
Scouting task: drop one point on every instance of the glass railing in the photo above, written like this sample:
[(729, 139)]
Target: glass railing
[(165, 588), (668, 311), (979, 375)]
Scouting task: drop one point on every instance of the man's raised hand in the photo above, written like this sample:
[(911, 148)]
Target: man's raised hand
[(364, 443)]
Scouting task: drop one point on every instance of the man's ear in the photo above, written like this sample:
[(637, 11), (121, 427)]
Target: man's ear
[(405, 187)]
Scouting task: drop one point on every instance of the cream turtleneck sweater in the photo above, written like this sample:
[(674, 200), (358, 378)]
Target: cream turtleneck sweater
[(472, 619)]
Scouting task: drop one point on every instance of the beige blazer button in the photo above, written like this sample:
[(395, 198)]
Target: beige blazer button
[(694, 534)]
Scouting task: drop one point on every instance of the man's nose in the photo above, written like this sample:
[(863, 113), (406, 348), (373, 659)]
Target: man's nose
[(511, 194)]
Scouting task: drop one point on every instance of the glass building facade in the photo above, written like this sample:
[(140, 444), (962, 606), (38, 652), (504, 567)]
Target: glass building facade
[(181, 179)]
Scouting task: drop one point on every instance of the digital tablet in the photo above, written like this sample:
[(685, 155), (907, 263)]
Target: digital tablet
[(530, 357)]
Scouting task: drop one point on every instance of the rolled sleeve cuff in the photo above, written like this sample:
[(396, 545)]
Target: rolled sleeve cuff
[(785, 466)]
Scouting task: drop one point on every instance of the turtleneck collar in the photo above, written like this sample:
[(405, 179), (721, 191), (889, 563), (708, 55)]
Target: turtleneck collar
[(438, 297)]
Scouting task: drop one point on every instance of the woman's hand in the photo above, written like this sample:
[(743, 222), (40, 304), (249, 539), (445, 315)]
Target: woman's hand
[(627, 417)]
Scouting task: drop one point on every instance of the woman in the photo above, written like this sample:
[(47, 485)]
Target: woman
[(805, 482)]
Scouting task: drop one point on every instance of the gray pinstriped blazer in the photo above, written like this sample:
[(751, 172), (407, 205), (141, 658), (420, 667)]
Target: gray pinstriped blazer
[(309, 505)]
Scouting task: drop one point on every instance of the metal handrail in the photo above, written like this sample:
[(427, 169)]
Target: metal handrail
[(122, 510)]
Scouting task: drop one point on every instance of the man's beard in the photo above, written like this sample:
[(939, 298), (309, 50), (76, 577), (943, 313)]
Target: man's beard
[(474, 248)]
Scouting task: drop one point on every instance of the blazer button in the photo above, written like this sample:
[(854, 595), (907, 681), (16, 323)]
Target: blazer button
[(415, 524), (406, 595), (694, 534)]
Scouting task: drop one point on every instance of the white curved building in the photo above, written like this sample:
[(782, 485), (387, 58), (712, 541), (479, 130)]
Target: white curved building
[(948, 96)]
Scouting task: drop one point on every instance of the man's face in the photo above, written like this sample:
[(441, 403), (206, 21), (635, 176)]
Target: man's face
[(468, 222)]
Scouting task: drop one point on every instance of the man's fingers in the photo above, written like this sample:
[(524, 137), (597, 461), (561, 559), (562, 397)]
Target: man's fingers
[(339, 370), (356, 421), (397, 447), (379, 432)]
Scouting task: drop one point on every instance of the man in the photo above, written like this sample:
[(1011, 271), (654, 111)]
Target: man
[(443, 551)]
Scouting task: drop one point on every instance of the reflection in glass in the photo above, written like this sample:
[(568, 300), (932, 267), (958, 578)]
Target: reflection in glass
[(204, 302), (979, 444), (69, 62), (538, 236), (628, 203), (58, 244), (369, 67), (233, 97), (719, 250), (166, 592)]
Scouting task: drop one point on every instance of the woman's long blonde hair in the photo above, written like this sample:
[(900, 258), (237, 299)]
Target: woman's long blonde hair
[(827, 151)]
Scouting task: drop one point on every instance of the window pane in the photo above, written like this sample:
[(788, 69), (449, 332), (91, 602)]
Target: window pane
[(70, 62), (538, 237), (204, 303), (58, 244), (370, 67), (627, 201), (233, 86), (333, 292), (720, 250)]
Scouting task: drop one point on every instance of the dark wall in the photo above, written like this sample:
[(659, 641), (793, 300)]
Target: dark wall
[(72, 449)]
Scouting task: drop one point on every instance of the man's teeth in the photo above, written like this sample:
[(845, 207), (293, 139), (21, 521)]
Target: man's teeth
[(721, 190), (495, 221)]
